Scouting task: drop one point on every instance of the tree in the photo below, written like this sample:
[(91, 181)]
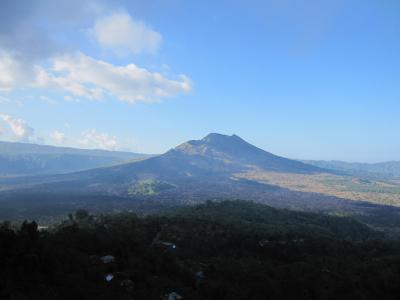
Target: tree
[(81, 214)]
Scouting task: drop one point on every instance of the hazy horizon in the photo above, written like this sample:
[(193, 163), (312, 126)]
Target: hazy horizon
[(101, 149)]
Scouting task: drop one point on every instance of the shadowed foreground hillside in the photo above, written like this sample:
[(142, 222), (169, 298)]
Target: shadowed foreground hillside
[(227, 250)]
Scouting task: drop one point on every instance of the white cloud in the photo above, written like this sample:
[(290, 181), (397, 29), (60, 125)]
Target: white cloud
[(13, 72), (121, 33), (84, 76), (58, 137), (34, 60), (24, 43), (100, 140), (20, 129)]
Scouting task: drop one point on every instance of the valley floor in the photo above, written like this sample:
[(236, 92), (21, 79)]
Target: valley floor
[(379, 191)]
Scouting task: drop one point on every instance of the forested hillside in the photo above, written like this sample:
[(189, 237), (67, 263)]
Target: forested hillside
[(227, 250)]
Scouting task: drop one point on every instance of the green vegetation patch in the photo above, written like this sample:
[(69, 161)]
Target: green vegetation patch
[(149, 188)]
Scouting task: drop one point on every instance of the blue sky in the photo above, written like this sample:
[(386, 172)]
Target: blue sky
[(302, 79)]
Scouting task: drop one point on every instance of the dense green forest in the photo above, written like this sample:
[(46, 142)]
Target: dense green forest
[(217, 250)]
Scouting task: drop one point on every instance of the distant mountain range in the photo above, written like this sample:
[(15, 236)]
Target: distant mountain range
[(17, 159), (389, 168)]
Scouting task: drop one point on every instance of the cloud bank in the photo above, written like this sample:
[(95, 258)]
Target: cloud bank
[(84, 76), (87, 77)]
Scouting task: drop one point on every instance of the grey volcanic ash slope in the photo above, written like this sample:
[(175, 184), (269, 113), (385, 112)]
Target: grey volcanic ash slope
[(239, 154), (216, 156)]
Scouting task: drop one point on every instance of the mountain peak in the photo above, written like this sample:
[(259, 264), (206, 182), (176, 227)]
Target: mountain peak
[(234, 151), (213, 140), (213, 137)]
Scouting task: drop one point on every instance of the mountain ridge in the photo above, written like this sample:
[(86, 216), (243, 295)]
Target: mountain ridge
[(7, 147), (216, 157), (22, 159), (386, 168)]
